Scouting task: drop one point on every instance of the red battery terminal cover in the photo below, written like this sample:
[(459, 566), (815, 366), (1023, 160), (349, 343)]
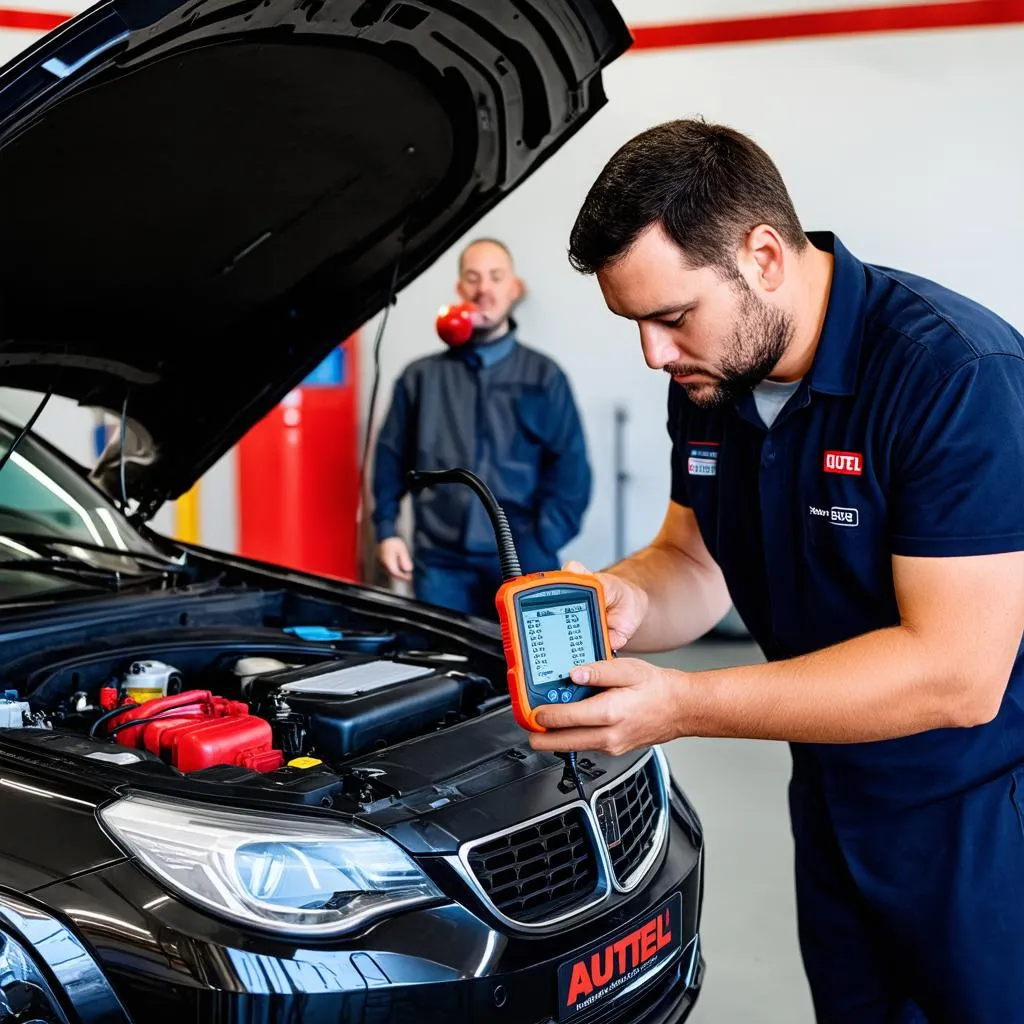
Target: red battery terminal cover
[(195, 730)]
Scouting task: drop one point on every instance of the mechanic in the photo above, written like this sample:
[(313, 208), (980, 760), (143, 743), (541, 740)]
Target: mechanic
[(848, 466), (507, 412)]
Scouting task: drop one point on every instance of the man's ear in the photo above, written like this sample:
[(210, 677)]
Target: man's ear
[(519, 290), (461, 291), (763, 257)]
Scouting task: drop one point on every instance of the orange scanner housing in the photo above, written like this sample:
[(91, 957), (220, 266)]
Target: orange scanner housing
[(550, 623)]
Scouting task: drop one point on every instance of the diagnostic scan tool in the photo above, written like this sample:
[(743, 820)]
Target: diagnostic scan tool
[(551, 622)]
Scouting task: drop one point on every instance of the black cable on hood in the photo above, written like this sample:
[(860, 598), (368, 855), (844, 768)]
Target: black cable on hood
[(375, 386), (25, 429)]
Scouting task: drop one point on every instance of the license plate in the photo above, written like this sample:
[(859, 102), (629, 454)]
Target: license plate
[(622, 961)]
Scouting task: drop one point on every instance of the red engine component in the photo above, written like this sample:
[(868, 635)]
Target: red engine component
[(190, 703), (195, 729), (238, 740)]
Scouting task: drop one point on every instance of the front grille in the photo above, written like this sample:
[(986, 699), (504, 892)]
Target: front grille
[(635, 804), (539, 870)]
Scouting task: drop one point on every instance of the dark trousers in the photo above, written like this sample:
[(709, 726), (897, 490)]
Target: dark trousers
[(469, 583), (466, 589), (916, 915)]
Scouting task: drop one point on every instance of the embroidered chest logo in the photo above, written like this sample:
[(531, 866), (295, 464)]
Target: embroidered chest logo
[(836, 515), (703, 460), (847, 463)]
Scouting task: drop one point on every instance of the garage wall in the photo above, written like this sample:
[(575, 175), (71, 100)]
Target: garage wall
[(896, 142), (904, 143)]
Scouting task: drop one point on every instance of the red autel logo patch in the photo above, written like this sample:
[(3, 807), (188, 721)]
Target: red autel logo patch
[(847, 463)]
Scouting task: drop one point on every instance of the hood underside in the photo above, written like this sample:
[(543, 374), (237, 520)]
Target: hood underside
[(202, 199)]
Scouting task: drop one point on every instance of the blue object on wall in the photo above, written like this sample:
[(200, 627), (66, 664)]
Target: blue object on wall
[(330, 373)]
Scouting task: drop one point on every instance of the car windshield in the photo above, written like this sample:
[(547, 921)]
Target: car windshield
[(47, 509)]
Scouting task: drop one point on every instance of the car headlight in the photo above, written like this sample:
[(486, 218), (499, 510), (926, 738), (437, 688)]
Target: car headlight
[(269, 871)]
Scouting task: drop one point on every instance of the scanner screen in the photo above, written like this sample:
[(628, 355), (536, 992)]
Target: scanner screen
[(558, 635)]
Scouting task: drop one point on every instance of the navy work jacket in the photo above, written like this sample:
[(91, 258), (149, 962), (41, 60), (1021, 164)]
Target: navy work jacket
[(906, 438), (506, 412)]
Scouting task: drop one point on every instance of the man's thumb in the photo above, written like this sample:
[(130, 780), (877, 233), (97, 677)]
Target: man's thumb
[(577, 567)]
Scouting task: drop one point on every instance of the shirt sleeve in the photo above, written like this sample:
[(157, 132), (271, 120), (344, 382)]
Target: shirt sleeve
[(958, 464), (678, 413)]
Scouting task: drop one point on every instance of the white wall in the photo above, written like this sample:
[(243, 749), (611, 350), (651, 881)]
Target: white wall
[(905, 144), (895, 142)]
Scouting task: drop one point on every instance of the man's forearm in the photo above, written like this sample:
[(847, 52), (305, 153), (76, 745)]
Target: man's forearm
[(685, 598), (885, 684)]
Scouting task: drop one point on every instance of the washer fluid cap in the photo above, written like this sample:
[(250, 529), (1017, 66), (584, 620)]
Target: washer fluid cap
[(315, 632)]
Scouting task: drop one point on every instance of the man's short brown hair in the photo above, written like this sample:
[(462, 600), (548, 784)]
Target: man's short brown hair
[(705, 184)]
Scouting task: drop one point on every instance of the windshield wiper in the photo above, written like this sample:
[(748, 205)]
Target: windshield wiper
[(50, 542), (74, 568)]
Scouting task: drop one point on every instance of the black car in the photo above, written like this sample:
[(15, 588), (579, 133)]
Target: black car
[(231, 792)]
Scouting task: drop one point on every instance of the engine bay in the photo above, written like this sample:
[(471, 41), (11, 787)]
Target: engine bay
[(268, 708)]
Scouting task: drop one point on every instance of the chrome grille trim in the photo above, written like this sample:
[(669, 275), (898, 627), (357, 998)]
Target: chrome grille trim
[(538, 868), (602, 889), (662, 818), (606, 881)]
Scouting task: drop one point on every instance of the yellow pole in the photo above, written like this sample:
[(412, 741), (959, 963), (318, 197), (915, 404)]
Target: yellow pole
[(186, 516)]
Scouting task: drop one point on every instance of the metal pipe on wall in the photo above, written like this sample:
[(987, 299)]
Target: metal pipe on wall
[(621, 480)]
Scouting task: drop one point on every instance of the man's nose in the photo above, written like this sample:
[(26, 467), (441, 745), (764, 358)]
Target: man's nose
[(658, 347)]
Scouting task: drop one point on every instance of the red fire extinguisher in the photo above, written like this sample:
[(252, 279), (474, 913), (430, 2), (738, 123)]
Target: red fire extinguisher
[(298, 474)]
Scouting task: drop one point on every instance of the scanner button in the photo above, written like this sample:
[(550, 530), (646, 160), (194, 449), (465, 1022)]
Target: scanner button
[(553, 696), (566, 696)]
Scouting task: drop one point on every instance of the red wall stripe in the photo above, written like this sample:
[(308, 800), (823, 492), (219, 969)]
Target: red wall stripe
[(905, 17), (37, 21)]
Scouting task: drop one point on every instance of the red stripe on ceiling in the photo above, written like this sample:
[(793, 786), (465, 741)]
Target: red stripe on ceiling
[(902, 18), (906, 17), (36, 21)]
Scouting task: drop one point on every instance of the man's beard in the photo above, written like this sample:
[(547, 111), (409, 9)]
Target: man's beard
[(493, 328), (759, 342)]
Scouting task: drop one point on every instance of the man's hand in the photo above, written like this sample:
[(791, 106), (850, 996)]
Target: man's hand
[(625, 603), (945, 666), (394, 556), (640, 704)]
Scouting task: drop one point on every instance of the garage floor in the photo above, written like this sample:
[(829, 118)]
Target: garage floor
[(749, 926)]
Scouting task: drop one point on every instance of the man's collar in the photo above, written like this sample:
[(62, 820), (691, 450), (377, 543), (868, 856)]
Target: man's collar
[(837, 357), (491, 352)]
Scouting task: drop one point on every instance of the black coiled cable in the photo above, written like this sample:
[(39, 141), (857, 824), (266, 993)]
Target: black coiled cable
[(507, 554)]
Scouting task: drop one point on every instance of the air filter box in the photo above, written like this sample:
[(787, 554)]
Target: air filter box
[(354, 706)]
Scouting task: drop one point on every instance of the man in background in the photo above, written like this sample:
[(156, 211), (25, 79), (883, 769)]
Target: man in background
[(504, 411)]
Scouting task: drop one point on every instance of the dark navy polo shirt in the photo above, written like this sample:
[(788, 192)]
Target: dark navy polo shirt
[(905, 438)]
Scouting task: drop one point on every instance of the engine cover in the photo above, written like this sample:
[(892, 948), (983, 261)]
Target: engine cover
[(353, 707)]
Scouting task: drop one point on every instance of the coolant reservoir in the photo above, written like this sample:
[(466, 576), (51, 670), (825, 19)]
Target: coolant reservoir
[(247, 669), (149, 680)]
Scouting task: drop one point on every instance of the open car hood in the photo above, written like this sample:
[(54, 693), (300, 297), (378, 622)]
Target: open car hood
[(202, 198)]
